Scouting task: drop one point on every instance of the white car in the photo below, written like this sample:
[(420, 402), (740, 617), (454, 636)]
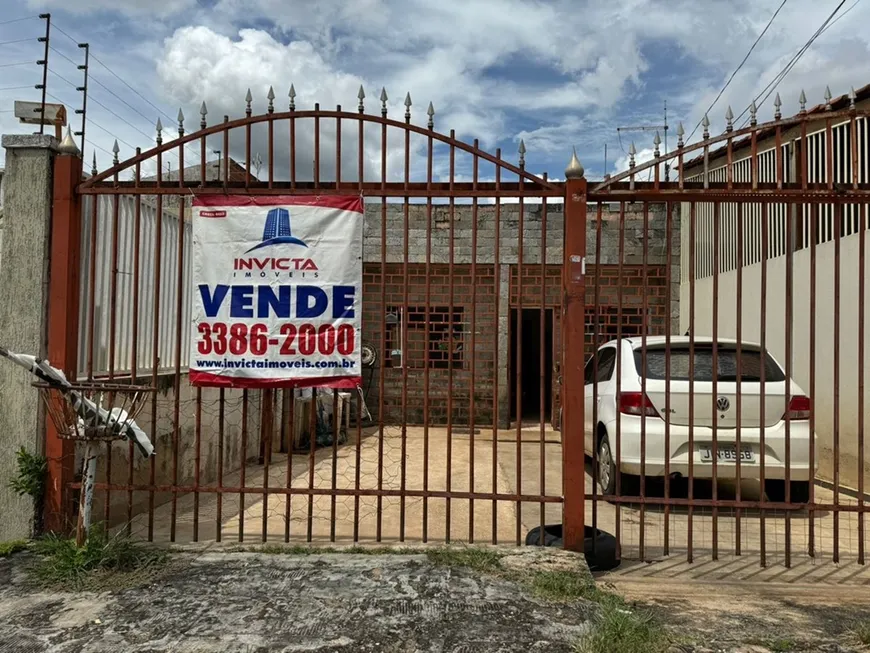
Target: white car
[(712, 413)]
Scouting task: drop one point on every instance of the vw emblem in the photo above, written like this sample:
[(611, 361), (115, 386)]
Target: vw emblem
[(723, 404)]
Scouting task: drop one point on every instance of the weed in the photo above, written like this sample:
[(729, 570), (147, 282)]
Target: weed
[(30, 481), (103, 557), (8, 548), (860, 632), (621, 629), (470, 557), (781, 645), (563, 586)]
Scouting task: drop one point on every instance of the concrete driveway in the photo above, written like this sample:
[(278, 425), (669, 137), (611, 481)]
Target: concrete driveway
[(506, 465)]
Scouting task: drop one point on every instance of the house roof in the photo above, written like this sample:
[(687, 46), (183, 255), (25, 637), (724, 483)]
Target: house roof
[(237, 172), (837, 104)]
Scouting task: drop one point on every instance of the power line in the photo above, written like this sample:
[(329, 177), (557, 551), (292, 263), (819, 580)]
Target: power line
[(32, 38), (17, 20), (737, 70), (17, 63), (56, 51), (118, 97), (59, 76), (771, 86), (15, 88)]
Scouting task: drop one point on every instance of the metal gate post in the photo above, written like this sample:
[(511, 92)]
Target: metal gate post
[(63, 321), (573, 318)]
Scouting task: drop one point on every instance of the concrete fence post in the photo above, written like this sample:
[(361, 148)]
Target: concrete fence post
[(23, 317)]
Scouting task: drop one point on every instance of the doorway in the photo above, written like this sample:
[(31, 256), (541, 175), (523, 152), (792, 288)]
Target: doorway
[(529, 355)]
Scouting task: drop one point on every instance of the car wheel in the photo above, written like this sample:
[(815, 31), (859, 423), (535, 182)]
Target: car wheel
[(606, 468), (629, 485), (775, 491)]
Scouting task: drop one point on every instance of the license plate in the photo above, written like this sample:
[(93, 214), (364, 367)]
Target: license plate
[(728, 454)]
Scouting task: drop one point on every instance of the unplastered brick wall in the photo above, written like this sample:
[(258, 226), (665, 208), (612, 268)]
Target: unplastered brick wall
[(425, 358), (613, 303), (488, 294)]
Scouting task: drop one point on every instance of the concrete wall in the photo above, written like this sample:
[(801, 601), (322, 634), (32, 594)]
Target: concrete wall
[(162, 434), (823, 347), (23, 298)]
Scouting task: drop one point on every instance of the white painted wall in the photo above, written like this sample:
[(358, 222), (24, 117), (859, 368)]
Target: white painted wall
[(725, 299)]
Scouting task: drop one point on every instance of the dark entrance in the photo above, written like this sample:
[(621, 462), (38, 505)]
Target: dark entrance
[(536, 349)]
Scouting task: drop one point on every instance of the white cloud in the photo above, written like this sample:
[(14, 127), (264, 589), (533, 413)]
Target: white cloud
[(556, 73)]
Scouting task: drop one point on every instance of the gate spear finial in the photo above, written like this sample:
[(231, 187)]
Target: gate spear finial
[(631, 152), (362, 96), (248, 99), (828, 97), (852, 97), (680, 133), (431, 113), (777, 103), (657, 140), (203, 111), (803, 101), (729, 119), (408, 107), (159, 132), (180, 123), (94, 165), (115, 150), (522, 152), (753, 114), (384, 99), (271, 97), (705, 122), (292, 96)]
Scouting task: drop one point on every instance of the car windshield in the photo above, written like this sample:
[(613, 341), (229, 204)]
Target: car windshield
[(726, 363)]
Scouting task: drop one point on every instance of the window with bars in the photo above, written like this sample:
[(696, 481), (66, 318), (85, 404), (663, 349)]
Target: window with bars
[(444, 340)]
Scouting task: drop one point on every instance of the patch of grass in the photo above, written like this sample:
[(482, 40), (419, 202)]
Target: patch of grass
[(860, 632), (781, 645), (105, 561), (621, 629), (564, 586), (470, 557), (8, 548)]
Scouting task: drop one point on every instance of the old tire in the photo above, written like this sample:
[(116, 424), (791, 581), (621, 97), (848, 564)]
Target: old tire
[(600, 549)]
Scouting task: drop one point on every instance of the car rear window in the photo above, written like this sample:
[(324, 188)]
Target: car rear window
[(726, 360)]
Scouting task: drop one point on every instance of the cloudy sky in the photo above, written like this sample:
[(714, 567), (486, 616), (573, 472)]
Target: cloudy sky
[(554, 73)]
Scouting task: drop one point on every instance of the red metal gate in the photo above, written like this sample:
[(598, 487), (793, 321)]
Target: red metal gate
[(736, 330), (458, 244), (469, 281)]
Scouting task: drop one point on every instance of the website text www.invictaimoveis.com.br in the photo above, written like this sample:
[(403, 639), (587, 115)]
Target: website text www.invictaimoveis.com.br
[(343, 364)]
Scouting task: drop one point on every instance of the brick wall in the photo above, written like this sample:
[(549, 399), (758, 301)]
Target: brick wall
[(540, 284), (475, 310)]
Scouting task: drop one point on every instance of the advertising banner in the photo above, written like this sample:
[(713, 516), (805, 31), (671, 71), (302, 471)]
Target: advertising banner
[(277, 291)]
